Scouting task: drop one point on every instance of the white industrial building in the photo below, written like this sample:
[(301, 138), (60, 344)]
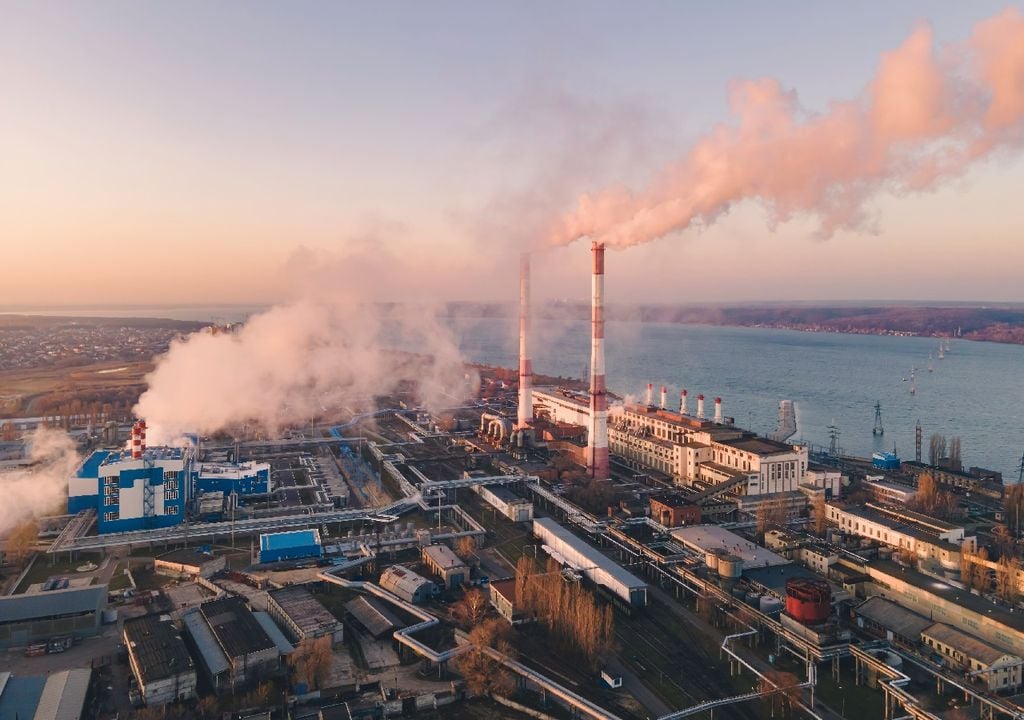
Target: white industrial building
[(444, 563), (713, 539), (506, 502), (573, 551), (696, 451), (999, 669)]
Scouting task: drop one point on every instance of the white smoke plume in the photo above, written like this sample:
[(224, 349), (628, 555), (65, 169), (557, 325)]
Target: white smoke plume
[(295, 362), (928, 115), (42, 487)]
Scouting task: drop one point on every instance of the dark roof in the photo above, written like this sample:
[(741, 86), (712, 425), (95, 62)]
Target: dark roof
[(304, 610), (235, 628), (72, 601), (892, 616), (775, 577), (372, 615), (158, 648), (758, 445), (950, 593)]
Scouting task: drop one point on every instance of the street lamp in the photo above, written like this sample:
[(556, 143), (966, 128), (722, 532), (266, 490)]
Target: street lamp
[(842, 696)]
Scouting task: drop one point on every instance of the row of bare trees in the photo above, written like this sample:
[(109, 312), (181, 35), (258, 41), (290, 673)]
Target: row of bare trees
[(932, 500), (576, 622), (945, 452)]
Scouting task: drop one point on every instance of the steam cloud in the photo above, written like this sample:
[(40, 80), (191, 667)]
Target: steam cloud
[(294, 362), (41, 488), (925, 117)]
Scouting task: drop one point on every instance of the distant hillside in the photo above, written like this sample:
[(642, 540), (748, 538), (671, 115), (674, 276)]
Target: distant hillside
[(994, 324)]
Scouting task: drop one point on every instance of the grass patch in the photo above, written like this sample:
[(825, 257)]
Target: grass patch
[(43, 569), (119, 580), (860, 700)]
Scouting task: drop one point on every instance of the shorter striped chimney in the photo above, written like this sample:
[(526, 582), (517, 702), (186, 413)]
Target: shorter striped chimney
[(718, 410), (700, 406), (682, 402), (650, 394), (664, 397)]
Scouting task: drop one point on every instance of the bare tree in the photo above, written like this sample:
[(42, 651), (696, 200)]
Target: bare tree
[(312, 661), (485, 674), (955, 462), (936, 449), (820, 511), (465, 547), (1006, 578), (472, 609)]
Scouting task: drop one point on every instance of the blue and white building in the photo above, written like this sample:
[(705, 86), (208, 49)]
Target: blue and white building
[(142, 493), (248, 478), (144, 488)]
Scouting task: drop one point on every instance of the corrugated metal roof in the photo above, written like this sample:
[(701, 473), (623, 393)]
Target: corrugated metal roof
[(893, 617), (972, 647), (63, 696), (56, 602), (592, 554), (213, 657), (273, 632), (377, 619)]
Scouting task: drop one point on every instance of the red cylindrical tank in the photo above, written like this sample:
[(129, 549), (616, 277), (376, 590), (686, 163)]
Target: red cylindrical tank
[(808, 600)]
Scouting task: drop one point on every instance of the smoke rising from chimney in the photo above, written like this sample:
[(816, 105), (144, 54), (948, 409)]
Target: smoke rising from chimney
[(298, 361), (41, 488), (920, 121)]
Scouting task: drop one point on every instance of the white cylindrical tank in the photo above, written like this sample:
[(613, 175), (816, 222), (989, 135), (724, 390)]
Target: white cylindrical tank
[(769, 605), (711, 560), (730, 566)]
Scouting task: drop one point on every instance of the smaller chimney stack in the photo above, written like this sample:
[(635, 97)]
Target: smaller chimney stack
[(682, 402), (650, 394), (136, 441), (700, 406), (718, 410), (664, 397)]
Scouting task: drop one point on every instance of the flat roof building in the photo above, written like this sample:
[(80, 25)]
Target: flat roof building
[(302, 615), (292, 545), (26, 619), (189, 562), (710, 538), (444, 563), (234, 647), (160, 662)]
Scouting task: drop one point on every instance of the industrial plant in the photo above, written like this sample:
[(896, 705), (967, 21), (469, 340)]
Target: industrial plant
[(683, 564)]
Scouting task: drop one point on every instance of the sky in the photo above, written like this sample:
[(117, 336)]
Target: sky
[(236, 152)]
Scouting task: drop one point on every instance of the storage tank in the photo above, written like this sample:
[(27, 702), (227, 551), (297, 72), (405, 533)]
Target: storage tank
[(808, 600), (711, 560), (730, 566), (769, 605), (753, 599)]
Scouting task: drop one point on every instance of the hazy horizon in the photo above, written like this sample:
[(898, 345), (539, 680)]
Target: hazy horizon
[(240, 153)]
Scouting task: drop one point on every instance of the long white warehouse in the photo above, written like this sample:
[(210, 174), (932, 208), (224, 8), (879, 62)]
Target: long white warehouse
[(591, 562)]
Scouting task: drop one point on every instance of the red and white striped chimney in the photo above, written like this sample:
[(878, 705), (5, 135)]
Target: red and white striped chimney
[(597, 437), (682, 402), (142, 437), (700, 406), (650, 394), (525, 364), (718, 410), (664, 397), (136, 442)]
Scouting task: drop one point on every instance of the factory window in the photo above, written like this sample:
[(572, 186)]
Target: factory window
[(110, 516), (170, 510), (171, 485), (171, 495), (171, 475)]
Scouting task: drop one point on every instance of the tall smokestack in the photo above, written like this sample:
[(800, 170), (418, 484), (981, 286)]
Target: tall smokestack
[(682, 402), (650, 394), (718, 410), (597, 437), (142, 437), (700, 406), (525, 364), (664, 397), (136, 441)]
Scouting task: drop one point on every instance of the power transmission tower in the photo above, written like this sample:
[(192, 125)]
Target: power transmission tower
[(1020, 470), (878, 429), (833, 440)]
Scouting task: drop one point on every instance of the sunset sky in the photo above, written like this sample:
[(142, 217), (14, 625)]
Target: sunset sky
[(241, 151)]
